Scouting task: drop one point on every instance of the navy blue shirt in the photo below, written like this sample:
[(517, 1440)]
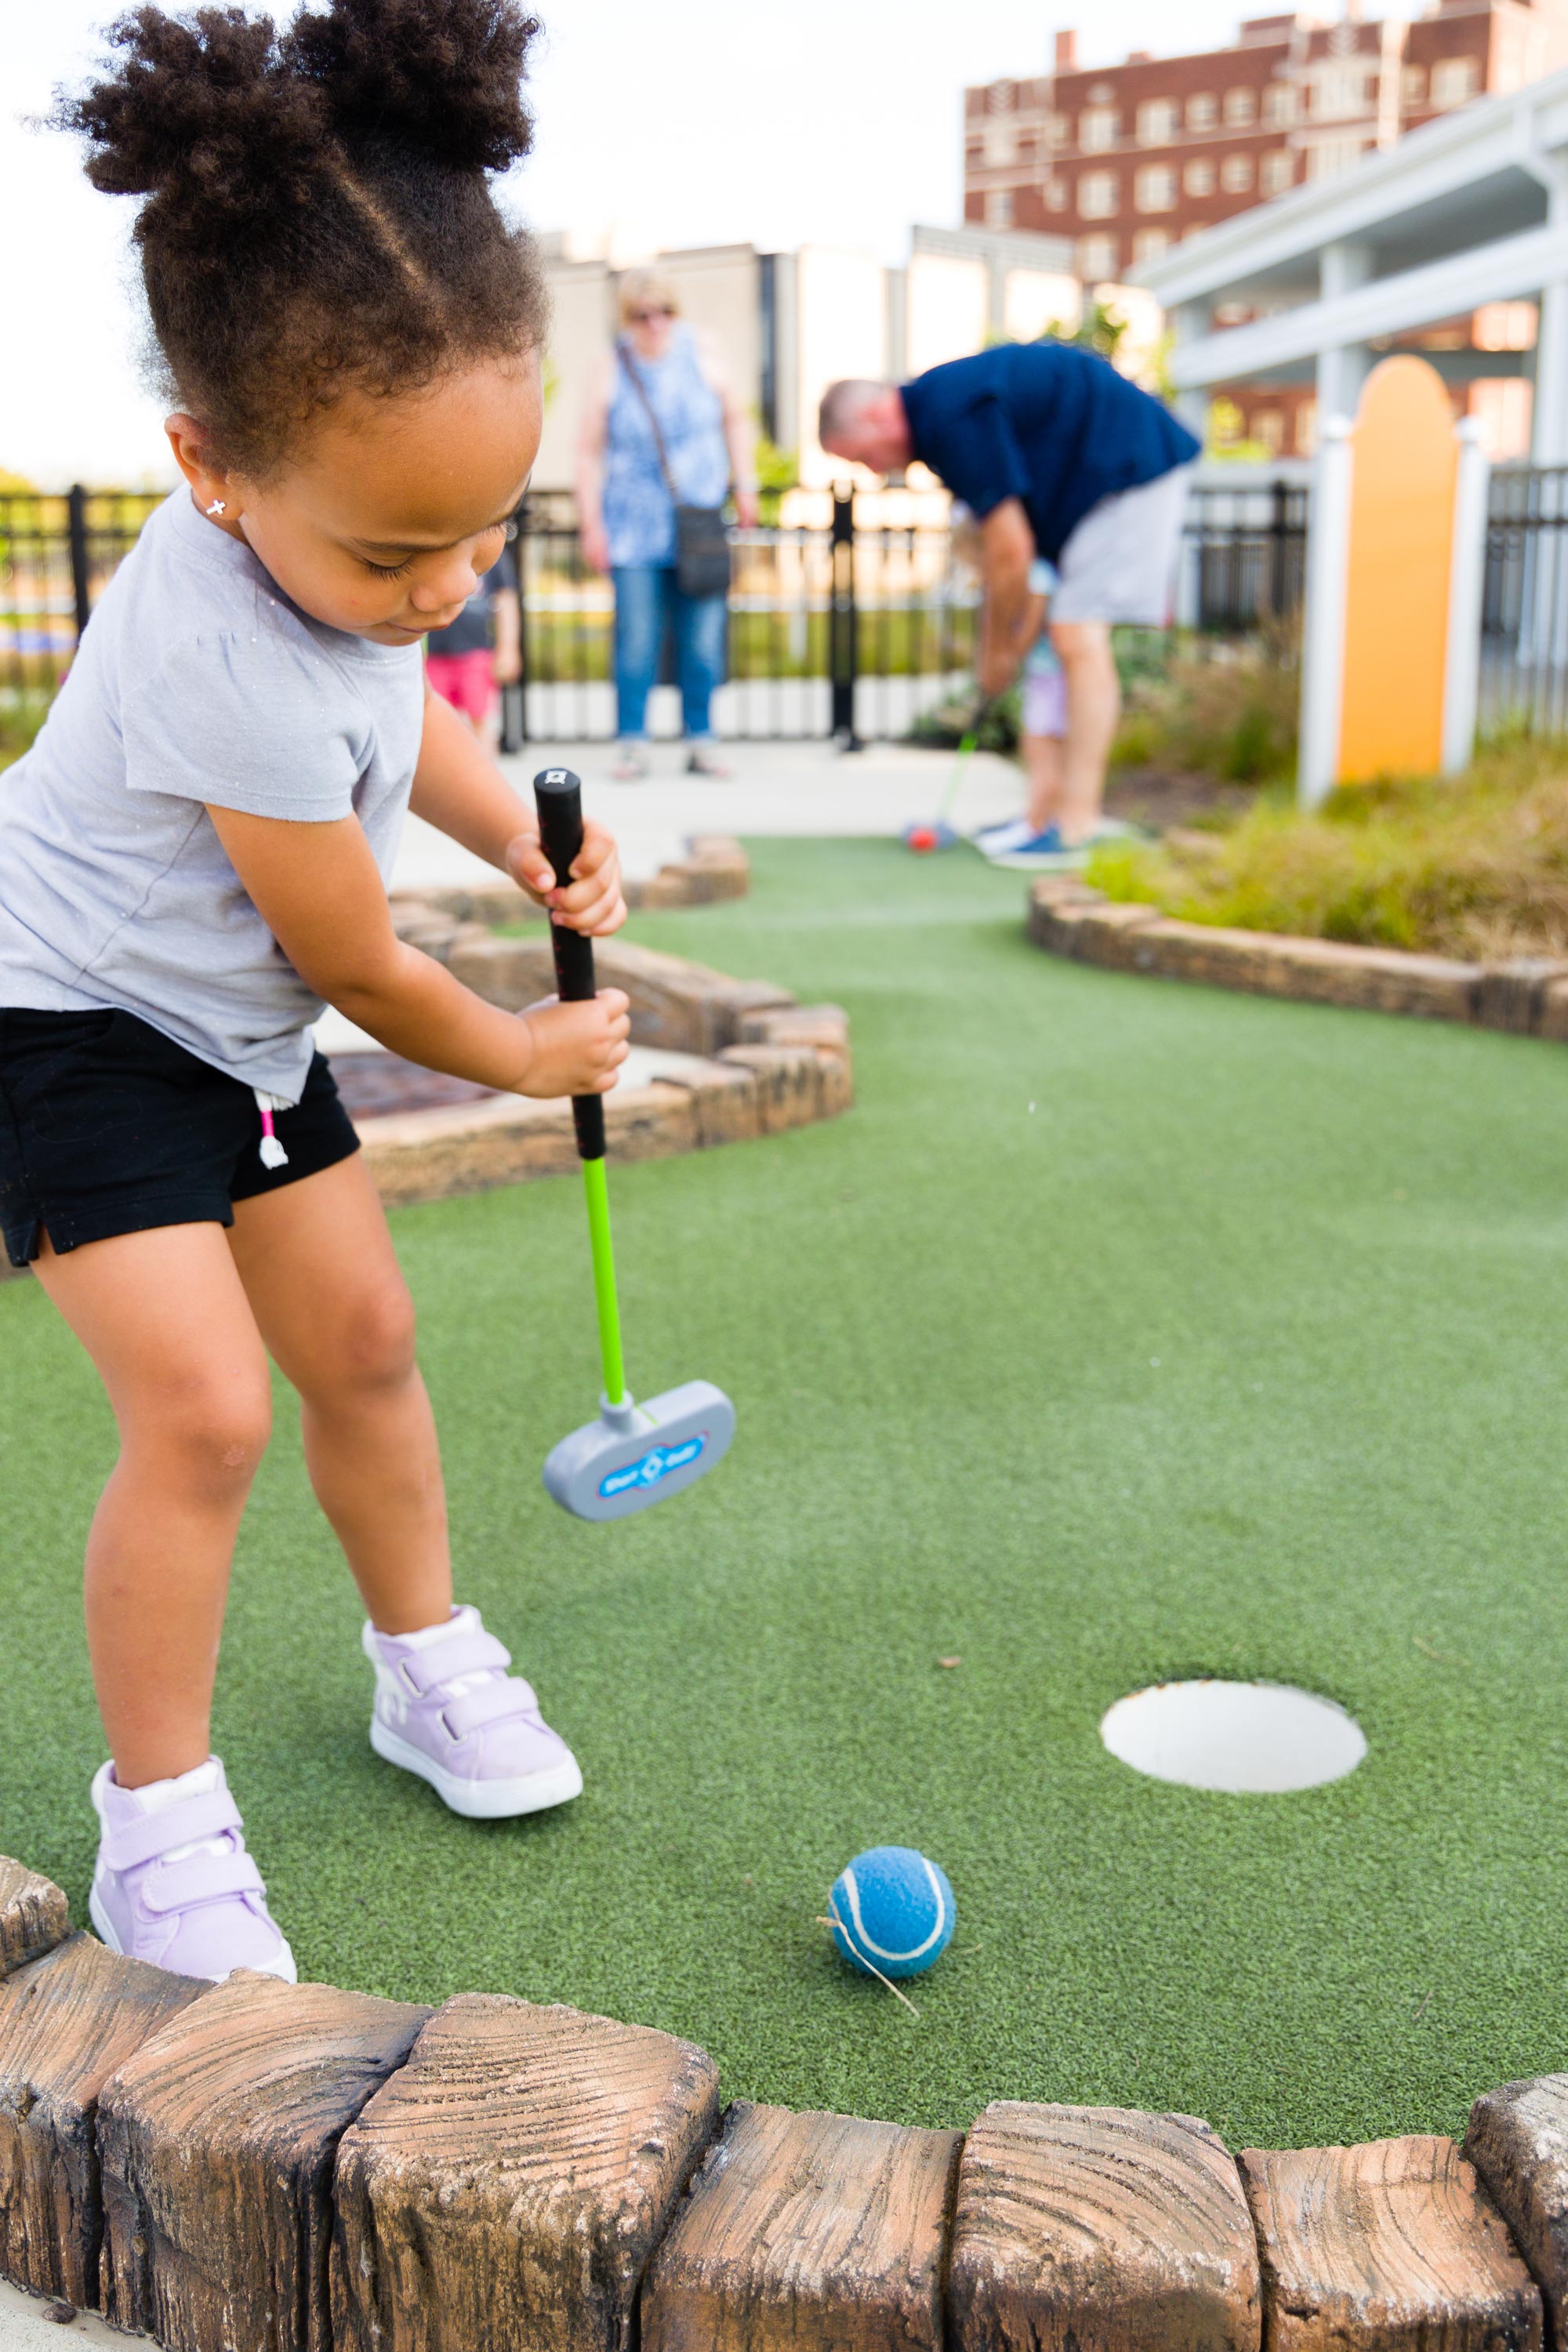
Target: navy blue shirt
[(474, 630), (1046, 422)]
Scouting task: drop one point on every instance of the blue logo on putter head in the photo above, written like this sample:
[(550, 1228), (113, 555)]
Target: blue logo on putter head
[(656, 1464)]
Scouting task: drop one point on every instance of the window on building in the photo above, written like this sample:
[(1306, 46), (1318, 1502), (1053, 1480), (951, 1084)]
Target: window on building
[(1236, 175), (1001, 142), (1413, 85), (1199, 177), (1203, 110), (1455, 80), (1097, 257), (1098, 195), (1240, 106), (1279, 102), (1149, 245), (1268, 427), (1055, 194), (1340, 90), (1278, 172), (1155, 188), (1097, 129), (1157, 122), (1331, 155), (974, 153), (999, 209)]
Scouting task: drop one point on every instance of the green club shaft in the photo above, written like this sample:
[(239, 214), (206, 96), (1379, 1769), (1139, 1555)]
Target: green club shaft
[(965, 752), (598, 1196)]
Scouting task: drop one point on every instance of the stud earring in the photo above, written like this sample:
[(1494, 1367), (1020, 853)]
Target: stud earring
[(217, 507)]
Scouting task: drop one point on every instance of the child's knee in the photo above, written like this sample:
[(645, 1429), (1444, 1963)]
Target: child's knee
[(372, 1345), (215, 1431)]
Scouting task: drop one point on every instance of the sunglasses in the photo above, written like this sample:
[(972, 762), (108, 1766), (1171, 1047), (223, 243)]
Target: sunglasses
[(646, 318)]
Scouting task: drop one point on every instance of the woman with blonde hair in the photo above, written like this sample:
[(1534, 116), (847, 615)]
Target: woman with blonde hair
[(664, 441)]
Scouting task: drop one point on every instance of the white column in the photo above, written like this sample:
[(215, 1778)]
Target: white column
[(1342, 371), (1467, 588), (1323, 639), (1549, 430), (1190, 321)]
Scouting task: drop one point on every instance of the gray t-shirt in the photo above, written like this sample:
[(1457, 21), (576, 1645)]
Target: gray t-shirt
[(197, 682)]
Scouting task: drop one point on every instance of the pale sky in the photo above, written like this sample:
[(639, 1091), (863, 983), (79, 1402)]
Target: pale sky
[(670, 121)]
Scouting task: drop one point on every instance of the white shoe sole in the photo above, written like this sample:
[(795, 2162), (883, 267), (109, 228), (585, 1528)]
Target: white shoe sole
[(282, 1967), (481, 1800)]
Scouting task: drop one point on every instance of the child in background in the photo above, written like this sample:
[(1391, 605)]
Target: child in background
[(481, 651), (1043, 725), (193, 857)]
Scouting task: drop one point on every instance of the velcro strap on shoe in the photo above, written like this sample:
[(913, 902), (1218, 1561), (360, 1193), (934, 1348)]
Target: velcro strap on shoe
[(466, 1653), (200, 1878), (151, 1834), (496, 1703)]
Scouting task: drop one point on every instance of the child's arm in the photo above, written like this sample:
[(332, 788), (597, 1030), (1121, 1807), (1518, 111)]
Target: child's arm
[(459, 789), (318, 889)]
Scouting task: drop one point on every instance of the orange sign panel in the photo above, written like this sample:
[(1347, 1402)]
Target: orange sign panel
[(1401, 552)]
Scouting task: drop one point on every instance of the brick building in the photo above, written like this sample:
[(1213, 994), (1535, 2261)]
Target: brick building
[(1127, 160)]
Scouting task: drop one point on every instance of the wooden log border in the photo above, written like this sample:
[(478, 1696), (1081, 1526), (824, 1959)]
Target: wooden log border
[(252, 2167), (1526, 996)]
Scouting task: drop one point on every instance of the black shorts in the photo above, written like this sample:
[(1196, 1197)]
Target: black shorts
[(107, 1127)]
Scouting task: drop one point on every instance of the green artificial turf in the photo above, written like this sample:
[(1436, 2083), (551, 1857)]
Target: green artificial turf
[(1124, 1330)]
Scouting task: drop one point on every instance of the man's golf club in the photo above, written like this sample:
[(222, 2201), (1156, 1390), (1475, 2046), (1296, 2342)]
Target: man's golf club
[(942, 832), (634, 1454)]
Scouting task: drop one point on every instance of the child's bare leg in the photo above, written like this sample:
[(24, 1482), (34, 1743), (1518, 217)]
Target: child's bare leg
[(165, 1321), (1043, 767), (1094, 708), (318, 1266)]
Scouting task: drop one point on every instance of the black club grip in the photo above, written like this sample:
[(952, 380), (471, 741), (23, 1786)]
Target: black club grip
[(558, 796)]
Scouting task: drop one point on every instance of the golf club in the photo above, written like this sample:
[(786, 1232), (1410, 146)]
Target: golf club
[(942, 832), (634, 1454)]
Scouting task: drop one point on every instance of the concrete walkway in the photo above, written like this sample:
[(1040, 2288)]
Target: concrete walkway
[(778, 787)]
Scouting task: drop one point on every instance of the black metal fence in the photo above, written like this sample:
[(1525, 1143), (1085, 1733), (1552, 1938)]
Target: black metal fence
[(55, 555), (845, 628), (849, 631), (1244, 555), (1524, 611)]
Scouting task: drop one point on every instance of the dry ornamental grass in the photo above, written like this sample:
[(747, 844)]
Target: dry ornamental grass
[(1477, 867)]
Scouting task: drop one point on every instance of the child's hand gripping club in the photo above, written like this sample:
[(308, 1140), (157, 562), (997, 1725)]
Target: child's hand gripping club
[(633, 1455)]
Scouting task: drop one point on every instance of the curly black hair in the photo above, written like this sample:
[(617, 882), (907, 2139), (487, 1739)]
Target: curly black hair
[(317, 216)]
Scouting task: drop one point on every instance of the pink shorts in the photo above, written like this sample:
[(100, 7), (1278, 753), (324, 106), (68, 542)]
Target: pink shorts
[(467, 681), (1045, 702)]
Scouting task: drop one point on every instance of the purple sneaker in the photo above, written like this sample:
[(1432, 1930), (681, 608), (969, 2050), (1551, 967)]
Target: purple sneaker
[(446, 1708), (173, 1883)]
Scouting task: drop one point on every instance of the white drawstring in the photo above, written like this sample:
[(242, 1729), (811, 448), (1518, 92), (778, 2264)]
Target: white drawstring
[(272, 1152)]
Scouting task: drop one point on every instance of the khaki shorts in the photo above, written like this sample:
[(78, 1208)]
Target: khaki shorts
[(1121, 562)]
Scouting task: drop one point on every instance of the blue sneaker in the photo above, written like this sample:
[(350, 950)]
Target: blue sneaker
[(1048, 852), (1008, 834), (1045, 852)]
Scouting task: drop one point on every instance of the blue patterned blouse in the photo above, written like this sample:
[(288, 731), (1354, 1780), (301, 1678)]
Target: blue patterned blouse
[(639, 513)]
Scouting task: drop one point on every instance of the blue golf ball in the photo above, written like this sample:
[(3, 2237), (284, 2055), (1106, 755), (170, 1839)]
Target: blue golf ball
[(892, 1911)]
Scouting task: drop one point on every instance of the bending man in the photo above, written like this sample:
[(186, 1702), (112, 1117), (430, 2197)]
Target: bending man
[(1060, 458)]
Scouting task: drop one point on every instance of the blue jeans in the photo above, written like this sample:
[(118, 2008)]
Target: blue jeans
[(647, 602)]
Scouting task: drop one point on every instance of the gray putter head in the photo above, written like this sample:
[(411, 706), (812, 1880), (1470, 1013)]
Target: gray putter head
[(635, 1455)]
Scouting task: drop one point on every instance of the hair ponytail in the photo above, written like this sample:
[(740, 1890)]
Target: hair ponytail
[(316, 215)]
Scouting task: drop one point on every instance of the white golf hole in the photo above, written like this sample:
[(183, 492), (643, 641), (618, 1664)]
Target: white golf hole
[(1260, 1738)]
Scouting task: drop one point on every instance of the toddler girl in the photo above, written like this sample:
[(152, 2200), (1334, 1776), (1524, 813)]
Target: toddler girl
[(194, 856)]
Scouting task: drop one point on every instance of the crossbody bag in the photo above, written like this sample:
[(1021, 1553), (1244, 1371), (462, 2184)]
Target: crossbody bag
[(702, 540)]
